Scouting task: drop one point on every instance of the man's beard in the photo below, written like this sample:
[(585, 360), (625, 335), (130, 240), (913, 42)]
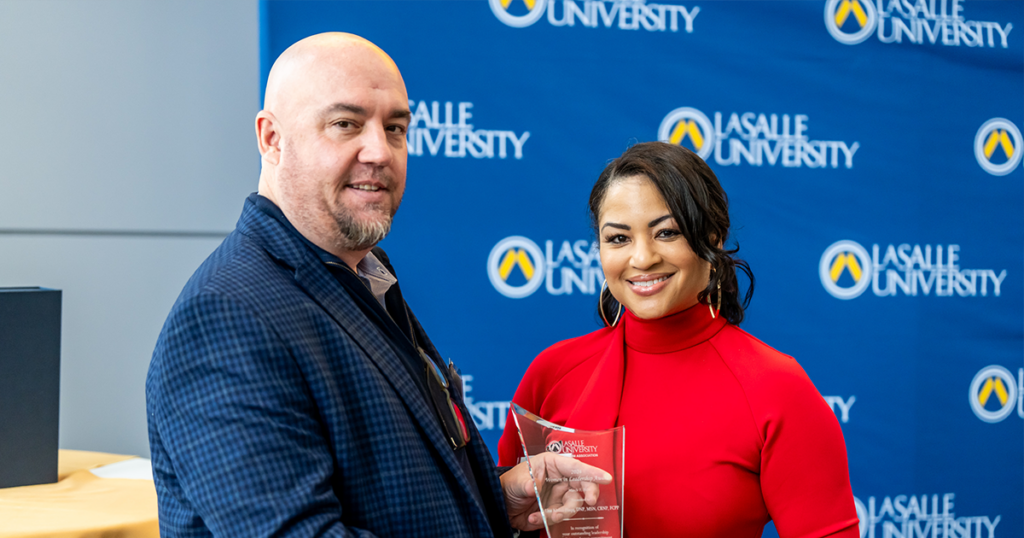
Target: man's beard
[(362, 235)]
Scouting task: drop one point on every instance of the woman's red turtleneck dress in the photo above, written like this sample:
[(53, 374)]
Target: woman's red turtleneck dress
[(723, 433)]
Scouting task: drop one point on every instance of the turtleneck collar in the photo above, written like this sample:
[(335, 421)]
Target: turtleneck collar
[(671, 333)]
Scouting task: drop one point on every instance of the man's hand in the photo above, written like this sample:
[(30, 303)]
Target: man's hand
[(565, 485)]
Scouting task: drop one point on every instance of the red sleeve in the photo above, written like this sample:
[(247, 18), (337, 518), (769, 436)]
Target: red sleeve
[(805, 477)]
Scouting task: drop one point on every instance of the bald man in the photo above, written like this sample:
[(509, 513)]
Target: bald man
[(292, 391)]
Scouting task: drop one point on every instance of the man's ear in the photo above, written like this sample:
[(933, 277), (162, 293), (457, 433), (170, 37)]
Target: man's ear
[(268, 137)]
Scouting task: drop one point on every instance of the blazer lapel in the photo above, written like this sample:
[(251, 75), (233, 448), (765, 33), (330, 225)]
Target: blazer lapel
[(321, 287)]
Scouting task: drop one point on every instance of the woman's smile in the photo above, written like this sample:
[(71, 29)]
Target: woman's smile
[(647, 285)]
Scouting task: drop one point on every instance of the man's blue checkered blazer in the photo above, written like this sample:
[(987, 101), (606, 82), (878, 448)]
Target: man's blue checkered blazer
[(276, 408)]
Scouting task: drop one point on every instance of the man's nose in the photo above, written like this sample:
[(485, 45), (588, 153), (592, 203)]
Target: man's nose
[(376, 150)]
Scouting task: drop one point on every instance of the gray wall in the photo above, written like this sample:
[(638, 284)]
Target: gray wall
[(126, 151)]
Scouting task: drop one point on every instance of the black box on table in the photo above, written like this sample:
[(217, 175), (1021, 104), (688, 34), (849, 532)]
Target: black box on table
[(29, 385)]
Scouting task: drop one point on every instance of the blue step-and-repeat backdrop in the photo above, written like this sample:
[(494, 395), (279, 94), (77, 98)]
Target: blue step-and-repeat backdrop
[(871, 150)]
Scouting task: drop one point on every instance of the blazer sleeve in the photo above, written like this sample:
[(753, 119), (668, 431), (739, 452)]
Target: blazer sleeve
[(242, 444)]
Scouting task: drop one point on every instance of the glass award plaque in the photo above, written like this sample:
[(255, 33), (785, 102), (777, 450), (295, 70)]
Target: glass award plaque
[(558, 497)]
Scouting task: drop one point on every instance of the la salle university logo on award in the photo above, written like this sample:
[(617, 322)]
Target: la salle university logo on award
[(845, 269), (997, 146)]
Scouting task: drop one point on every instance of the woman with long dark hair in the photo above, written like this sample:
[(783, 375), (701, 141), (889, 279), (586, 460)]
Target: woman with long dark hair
[(724, 432)]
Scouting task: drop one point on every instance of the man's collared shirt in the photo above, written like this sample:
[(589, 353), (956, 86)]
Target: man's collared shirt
[(376, 277)]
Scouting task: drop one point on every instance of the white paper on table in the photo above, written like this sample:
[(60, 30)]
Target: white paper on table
[(135, 469)]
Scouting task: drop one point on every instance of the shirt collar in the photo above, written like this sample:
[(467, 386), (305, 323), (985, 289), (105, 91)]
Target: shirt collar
[(376, 276)]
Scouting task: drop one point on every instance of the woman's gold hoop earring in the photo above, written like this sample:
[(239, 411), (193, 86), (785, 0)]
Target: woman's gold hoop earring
[(715, 311), (600, 306)]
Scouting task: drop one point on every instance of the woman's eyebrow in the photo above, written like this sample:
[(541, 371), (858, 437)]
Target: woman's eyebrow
[(616, 225), (658, 220)]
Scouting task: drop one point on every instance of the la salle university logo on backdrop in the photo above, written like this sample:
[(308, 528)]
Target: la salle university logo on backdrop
[(862, 516), (448, 132), (621, 14), (861, 13), (755, 139), (998, 146), (512, 253), (994, 393), (517, 267), (689, 125), (842, 258), (920, 515), (853, 21), (488, 414), (534, 11), (847, 270)]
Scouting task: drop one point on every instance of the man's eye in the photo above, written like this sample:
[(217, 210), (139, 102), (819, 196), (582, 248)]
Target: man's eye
[(397, 129), (344, 124)]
